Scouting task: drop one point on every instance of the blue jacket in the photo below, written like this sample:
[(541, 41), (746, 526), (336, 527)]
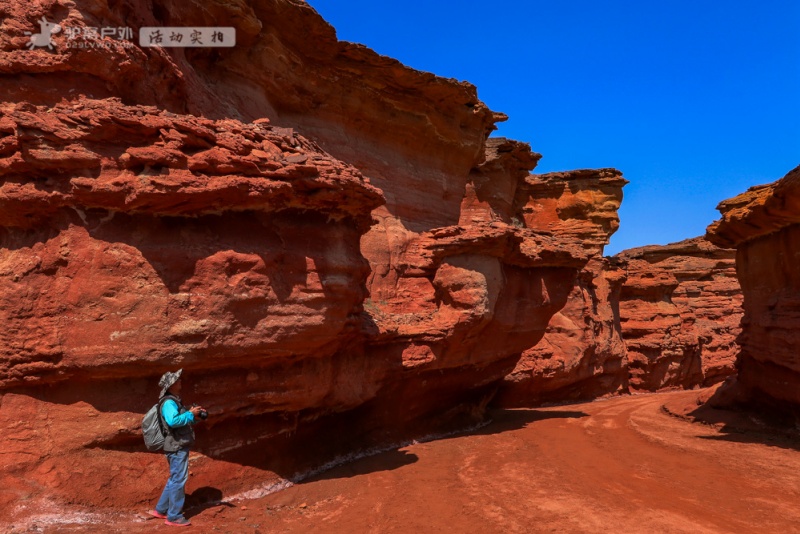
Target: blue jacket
[(180, 421), (172, 416)]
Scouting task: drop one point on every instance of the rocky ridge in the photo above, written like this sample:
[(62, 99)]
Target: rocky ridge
[(582, 354)]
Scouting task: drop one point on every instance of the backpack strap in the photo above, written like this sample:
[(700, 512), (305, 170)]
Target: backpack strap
[(165, 428)]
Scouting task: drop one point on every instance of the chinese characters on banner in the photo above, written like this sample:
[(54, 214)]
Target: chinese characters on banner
[(187, 37)]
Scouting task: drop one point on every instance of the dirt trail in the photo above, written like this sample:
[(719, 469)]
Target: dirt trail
[(618, 465)]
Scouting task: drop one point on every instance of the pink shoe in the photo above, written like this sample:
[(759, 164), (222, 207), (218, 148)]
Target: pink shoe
[(180, 522), (157, 514)]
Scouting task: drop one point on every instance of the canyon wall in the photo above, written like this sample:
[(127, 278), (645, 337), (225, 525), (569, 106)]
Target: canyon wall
[(347, 288), (763, 224), (680, 312), (136, 240), (328, 242), (650, 318)]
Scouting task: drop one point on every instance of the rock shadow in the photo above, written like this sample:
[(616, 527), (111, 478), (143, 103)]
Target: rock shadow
[(505, 420), (177, 247), (739, 420), (203, 499), (776, 438), (501, 420), (747, 425), (368, 462)]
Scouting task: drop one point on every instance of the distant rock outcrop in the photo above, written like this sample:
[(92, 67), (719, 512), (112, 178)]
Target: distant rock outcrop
[(680, 313), (650, 318), (763, 224)]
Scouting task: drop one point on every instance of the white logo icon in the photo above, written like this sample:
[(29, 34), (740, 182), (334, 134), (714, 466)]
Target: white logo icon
[(46, 29)]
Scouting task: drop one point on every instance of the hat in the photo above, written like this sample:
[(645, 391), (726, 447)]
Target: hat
[(168, 379)]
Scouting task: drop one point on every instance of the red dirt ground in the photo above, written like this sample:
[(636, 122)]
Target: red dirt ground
[(622, 465)]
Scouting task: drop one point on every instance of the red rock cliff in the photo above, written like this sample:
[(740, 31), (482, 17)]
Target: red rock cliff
[(582, 354), (680, 310), (372, 279), (135, 239), (763, 224)]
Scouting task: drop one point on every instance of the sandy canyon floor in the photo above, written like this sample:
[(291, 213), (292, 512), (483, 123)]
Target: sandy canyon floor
[(617, 465)]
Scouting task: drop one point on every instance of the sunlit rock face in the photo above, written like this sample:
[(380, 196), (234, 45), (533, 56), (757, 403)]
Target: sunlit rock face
[(136, 240), (582, 355), (680, 312), (763, 224), (325, 240)]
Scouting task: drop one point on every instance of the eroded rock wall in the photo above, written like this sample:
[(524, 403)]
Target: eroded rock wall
[(464, 301), (135, 240), (345, 288), (582, 354), (763, 224), (325, 240), (680, 313)]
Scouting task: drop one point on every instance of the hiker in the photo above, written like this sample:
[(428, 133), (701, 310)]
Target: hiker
[(179, 437)]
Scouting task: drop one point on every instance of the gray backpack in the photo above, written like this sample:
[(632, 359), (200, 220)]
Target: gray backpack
[(153, 428)]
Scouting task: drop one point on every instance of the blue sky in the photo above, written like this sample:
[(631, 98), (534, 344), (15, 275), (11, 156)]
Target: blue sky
[(694, 101)]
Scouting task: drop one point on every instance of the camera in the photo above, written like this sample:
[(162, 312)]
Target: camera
[(203, 413)]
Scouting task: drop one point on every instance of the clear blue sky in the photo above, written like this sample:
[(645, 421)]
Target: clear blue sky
[(694, 101)]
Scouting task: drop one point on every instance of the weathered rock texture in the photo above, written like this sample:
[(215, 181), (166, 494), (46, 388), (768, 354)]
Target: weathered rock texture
[(135, 239), (582, 354), (159, 210), (763, 224), (680, 313), (379, 277)]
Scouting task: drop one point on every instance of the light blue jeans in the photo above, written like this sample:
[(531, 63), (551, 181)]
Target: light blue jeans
[(174, 494)]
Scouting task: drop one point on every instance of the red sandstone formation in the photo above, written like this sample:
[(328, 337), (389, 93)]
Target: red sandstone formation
[(136, 239), (582, 354), (372, 279), (138, 236), (651, 318), (159, 211), (680, 309), (580, 204), (763, 224), (477, 294)]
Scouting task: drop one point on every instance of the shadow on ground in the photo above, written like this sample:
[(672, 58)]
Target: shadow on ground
[(747, 426), (203, 499), (735, 421), (501, 420)]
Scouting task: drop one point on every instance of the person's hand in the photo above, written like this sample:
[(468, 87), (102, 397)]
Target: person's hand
[(196, 411)]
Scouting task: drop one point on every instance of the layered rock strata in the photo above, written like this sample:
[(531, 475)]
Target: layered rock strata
[(133, 240), (582, 354), (160, 210), (763, 224), (680, 313)]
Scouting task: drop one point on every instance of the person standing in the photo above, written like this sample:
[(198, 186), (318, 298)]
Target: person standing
[(179, 438)]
